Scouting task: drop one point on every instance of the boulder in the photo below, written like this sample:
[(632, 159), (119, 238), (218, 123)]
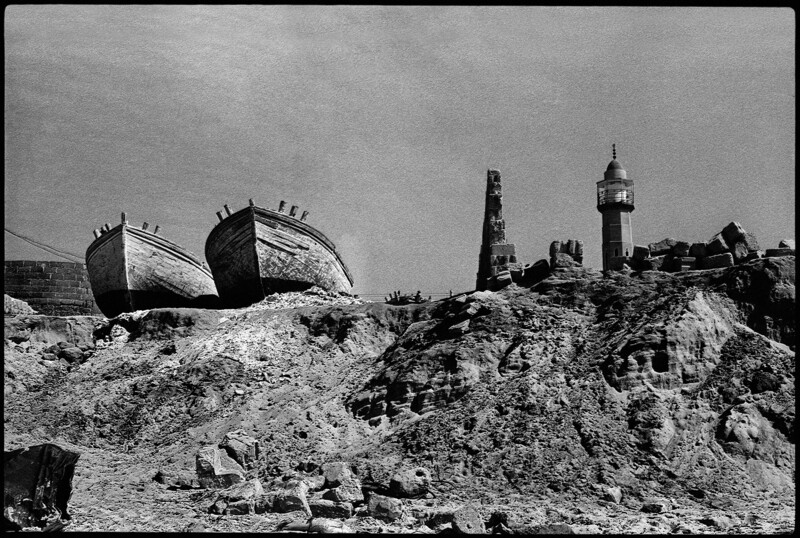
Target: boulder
[(37, 485), (468, 520), (613, 494), (683, 264), (502, 279), (410, 483), (640, 252), (662, 247), (349, 492), (718, 260), (732, 233), (215, 469), (750, 241), (241, 447), (655, 505), (739, 251), (719, 521), (177, 480), (71, 354), (562, 259), (292, 497), (681, 249), (716, 245), (264, 503), (238, 499), (327, 508), (786, 243), (777, 252), (386, 508), (697, 250), (533, 274), (15, 307), (337, 473)]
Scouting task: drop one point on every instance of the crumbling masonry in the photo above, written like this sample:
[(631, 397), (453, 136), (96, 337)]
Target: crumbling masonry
[(497, 258)]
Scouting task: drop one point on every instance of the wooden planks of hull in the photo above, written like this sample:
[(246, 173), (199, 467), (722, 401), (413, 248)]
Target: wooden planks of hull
[(131, 269), (255, 252)]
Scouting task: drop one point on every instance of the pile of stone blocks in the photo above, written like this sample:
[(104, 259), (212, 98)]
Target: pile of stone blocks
[(732, 246), (566, 253)]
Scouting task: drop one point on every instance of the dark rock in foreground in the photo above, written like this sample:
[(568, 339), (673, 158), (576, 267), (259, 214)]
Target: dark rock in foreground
[(37, 485)]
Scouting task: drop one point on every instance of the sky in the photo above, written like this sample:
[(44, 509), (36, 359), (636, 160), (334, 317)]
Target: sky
[(382, 121)]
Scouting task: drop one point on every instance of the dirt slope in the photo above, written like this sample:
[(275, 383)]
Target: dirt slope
[(537, 402)]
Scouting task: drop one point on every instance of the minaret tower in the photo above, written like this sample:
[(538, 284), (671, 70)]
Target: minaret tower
[(615, 202)]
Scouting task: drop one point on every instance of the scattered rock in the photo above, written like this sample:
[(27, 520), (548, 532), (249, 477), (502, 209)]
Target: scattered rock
[(177, 479), (732, 233), (716, 245), (239, 499), (386, 508), (468, 520), (349, 492), (215, 469), (16, 307), (71, 354), (327, 508), (410, 483), (681, 249), (697, 250), (662, 247), (656, 505), (613, 494), (292, 497), (337, 473), (241, 447), (718, 260), (777, 252), (718, 521)]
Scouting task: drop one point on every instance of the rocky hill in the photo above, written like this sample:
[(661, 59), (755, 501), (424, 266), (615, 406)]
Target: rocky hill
[(637, 402)]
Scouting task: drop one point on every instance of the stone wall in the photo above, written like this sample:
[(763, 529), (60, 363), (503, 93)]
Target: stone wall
[(51, 288)]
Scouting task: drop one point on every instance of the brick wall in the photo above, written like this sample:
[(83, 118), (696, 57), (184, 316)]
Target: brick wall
[(51, 288)]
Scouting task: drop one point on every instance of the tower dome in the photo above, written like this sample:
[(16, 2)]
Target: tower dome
[(614, 165)]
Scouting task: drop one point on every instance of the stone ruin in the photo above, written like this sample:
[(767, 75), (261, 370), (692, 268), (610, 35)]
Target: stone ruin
[(497, 265), (566, 253), (732, 246), (497, 257)]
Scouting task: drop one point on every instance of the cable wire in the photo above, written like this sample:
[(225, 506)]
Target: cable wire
[(69, 256)]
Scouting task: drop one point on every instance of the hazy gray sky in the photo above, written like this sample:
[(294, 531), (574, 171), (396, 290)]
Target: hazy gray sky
[(381, 122)]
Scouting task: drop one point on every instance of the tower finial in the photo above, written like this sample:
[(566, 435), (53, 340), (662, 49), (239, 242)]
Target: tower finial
[(613, 151)]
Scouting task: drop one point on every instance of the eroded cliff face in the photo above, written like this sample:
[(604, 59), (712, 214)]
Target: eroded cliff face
[(672, 385)]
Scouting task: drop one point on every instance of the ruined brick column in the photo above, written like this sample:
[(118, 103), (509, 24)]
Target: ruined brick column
[(496, 255)]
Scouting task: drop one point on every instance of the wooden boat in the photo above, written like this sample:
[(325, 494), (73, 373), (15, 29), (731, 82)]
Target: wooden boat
[(136, 269), (255, 252)]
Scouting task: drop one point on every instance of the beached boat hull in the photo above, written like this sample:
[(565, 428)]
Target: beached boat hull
[(256, 252), (132, 269)]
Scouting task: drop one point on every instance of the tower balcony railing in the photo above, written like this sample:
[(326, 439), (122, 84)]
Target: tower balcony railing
[(614, 196)]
